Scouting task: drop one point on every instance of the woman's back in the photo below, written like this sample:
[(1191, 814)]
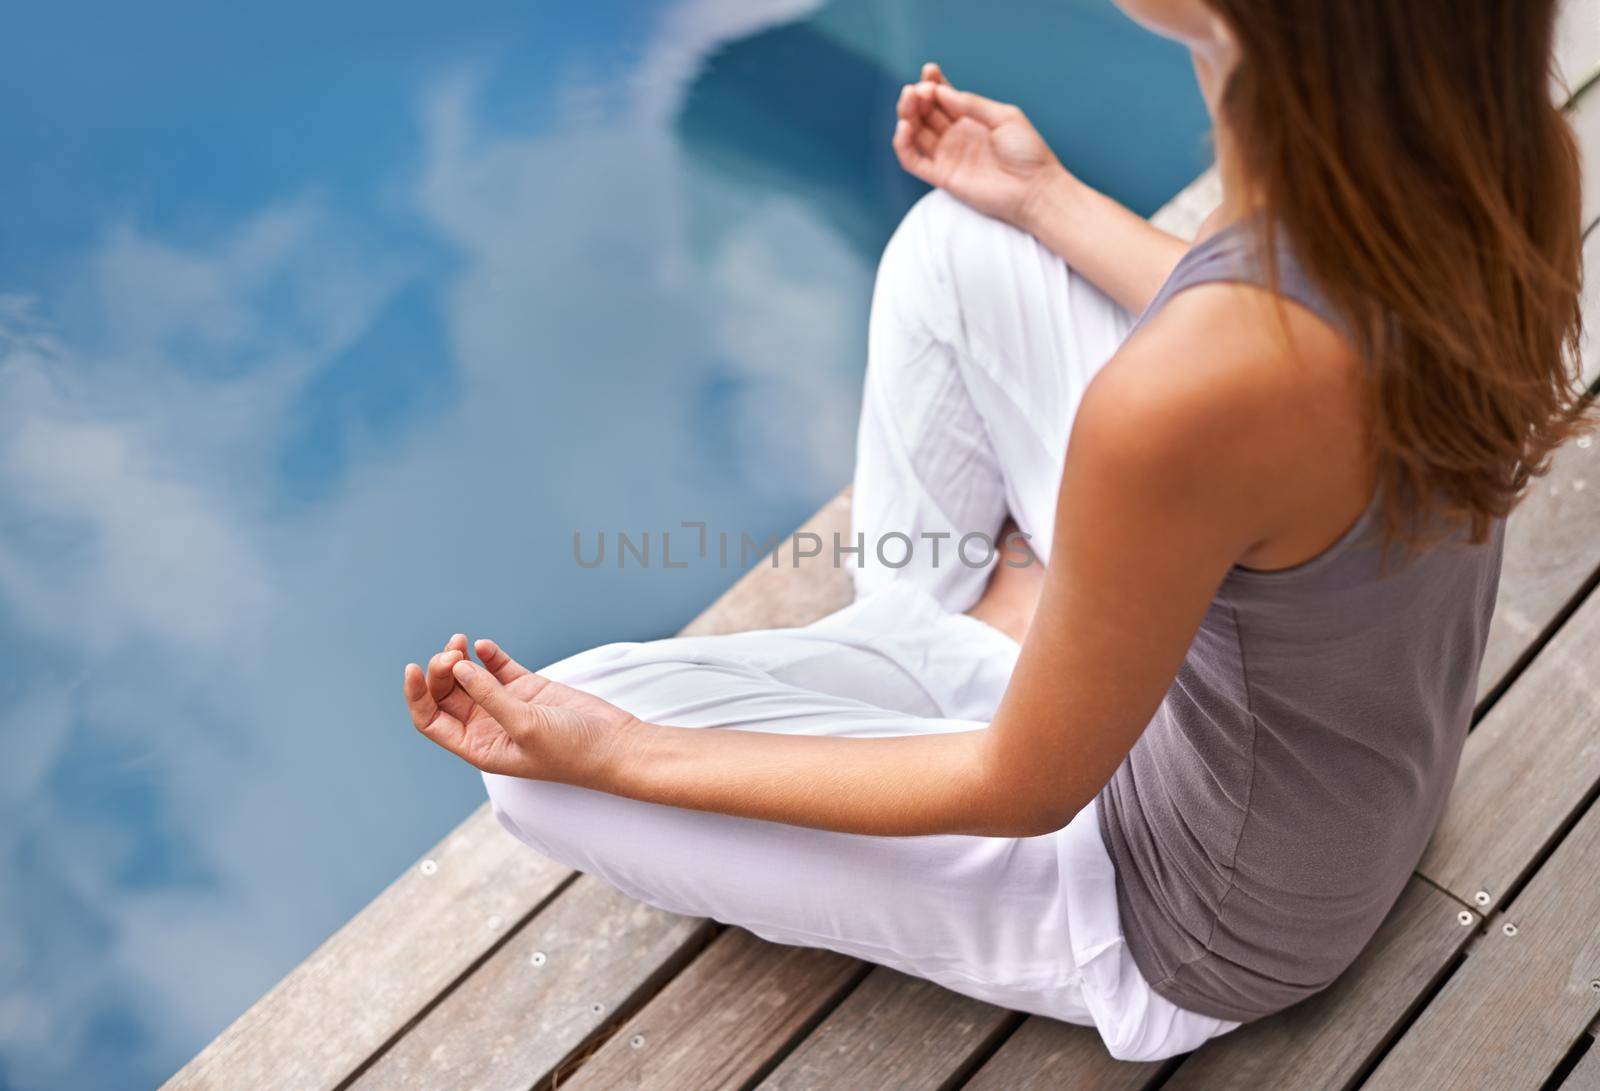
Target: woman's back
[(1279, 799)]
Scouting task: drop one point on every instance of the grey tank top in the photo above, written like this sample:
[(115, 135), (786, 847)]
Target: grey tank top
[(1278, 801)]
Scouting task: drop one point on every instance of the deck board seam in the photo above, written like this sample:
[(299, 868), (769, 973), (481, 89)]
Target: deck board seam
[(1590, 801), (1575, 1054), (571, 1064), (439, 997), (1475, 910), (1505, 913), (980, 1056), (1402, 1027), (803, 1032)]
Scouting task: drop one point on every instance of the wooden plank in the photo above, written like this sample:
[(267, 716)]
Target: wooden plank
[(382, 968), (1044, 1055), (781, 591), (575, 968), (1527, 769), (1586, 1075), (894, 1031), (724, 1021), (1527, 991), (1327, 1040)]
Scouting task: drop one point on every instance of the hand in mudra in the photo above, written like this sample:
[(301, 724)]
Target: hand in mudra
[(986, 153), (503, 718)]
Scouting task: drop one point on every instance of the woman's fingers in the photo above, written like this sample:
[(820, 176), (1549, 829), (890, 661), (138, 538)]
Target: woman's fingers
[(909, 105), (413, 687), (919, 105), (915, 145), (440, 680), (510, 713), (933, 115), (912, 158), (921, 122), (426, 715), (960, 104), (926, 140), (932, 73), (495, 660)]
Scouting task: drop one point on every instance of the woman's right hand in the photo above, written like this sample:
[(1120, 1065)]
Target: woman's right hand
[(986, 153)]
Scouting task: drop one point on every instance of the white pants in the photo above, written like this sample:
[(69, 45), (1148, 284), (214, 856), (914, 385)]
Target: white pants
[(981, 344)]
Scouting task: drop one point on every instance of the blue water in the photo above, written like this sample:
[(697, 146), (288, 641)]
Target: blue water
[(324, 328)]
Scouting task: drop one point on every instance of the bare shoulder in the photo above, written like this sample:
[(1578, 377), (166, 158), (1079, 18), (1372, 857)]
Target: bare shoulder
[(1250, 404), (1224, 364)]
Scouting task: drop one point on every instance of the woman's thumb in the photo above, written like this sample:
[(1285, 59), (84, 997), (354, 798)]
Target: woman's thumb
[(481, 686)]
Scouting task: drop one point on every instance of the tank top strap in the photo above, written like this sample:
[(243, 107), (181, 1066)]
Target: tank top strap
[(1235, 254)]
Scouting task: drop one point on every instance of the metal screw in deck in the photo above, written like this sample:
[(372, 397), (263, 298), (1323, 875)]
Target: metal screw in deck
[(1482, 897), (538, 958), (1465, 917), (428, 867), (637, 1041), (1508, 928)]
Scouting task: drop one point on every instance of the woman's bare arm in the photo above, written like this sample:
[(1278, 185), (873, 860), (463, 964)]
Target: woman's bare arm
[(1120, 252), (1158, 498)]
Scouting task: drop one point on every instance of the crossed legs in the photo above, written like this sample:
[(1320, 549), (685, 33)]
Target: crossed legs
[(981, 344)]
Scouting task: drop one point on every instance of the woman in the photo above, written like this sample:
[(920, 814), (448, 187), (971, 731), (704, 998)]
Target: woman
[(1172, 778)]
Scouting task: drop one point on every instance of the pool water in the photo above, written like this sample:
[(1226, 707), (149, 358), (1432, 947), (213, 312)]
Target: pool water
[(325, 329)]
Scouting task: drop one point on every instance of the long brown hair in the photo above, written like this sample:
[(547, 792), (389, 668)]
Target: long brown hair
[(1412, 152)]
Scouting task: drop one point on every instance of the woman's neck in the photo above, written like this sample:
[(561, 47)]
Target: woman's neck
[(1239, 197)]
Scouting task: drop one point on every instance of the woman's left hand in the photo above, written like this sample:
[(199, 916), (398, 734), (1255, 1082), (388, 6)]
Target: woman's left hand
[(986, 153), (503, 718)]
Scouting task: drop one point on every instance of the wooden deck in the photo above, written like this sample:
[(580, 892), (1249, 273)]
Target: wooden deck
[(485, 966)]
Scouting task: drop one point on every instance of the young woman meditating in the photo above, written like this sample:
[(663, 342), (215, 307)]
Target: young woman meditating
[(1173, 777)]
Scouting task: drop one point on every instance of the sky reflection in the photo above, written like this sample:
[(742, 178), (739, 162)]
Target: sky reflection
[(323, 329)]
